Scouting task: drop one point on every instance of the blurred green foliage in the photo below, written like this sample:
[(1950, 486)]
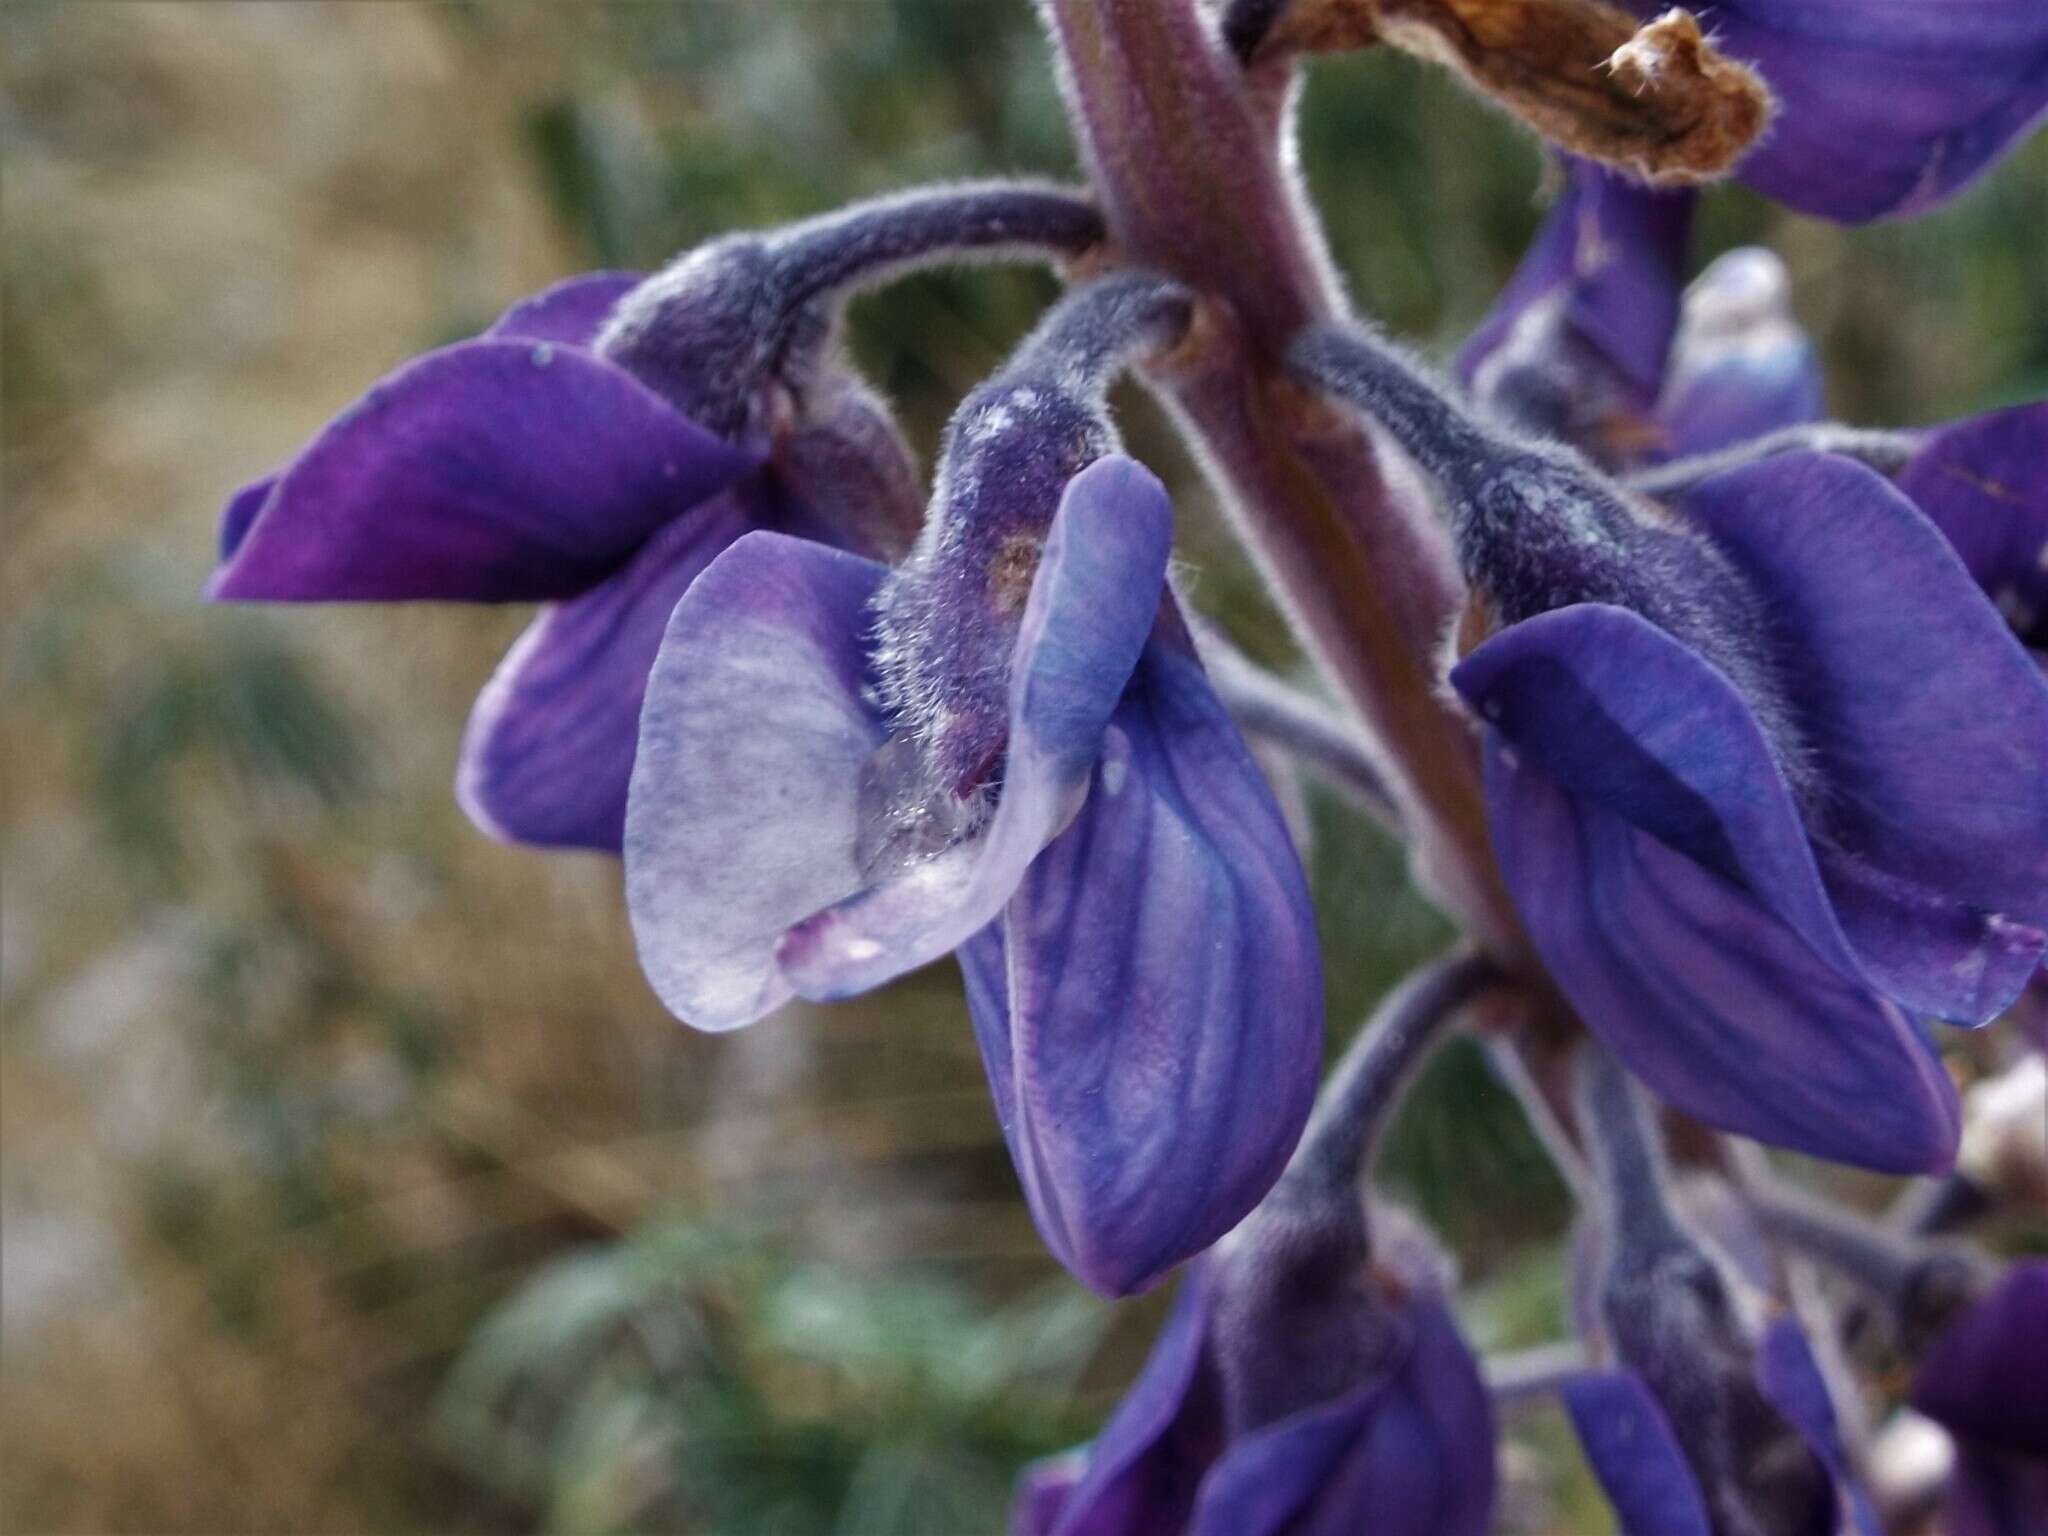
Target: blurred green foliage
[(697, 1378)]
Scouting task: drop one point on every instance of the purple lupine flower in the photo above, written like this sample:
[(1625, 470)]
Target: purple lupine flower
[(1354, 1404), (1593, 343), (1982, 1379), (1007, 748), (1734, 367), (1884, 106), (1739, 367), (593, 451), (1706, 1423), (1574, 347), (1763, 772), (1309, 1378), (523, 466)]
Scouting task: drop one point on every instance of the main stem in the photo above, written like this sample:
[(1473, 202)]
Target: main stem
[(1191, 182)]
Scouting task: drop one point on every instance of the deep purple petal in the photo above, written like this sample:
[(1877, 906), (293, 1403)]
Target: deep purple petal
[(1270, 1482), (1927, 721), (744, 809), (492, 471), (1632, 720), (1791, 1378), (1997, 1494), (1883, 108), (1740, 366), (1590, 310), (550, 744), (1985, 1378), (1428, 1466), (1152, 1001), (1092, 604), (1632, 1450), (1984, 484), (1144, 1467), (1409, 1453), (1717, 1006), (240, 513), (572, 311)]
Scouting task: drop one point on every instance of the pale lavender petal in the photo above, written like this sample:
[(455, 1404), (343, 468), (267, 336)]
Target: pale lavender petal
[(489, 471), (1629, 718), (1790, 1377), (1092, 604), (1043, 1489), (1713, 1003), (1634, 1453), (1984, 484), (1927, 720), (1143, 1469), (744, 808), (1151, 999), (1740, 366), (572, 311), (1985, 1378), (1883, 108), (550, 743)]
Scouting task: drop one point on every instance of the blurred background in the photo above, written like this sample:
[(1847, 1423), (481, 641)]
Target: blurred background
[(352, 1178)]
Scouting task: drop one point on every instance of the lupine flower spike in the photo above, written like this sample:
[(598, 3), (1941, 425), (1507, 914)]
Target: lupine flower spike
[(1005, 747), (1724, 770), (1310, 1380), (593, 451)]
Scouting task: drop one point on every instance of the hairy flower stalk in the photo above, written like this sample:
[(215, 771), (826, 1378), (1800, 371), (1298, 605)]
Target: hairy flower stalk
[(714, 329), (1886, 450), (1194, 181), (1359, 1095), (1920, 1285)]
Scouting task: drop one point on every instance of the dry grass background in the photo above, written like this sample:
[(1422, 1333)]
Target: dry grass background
[(299, 1074)]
